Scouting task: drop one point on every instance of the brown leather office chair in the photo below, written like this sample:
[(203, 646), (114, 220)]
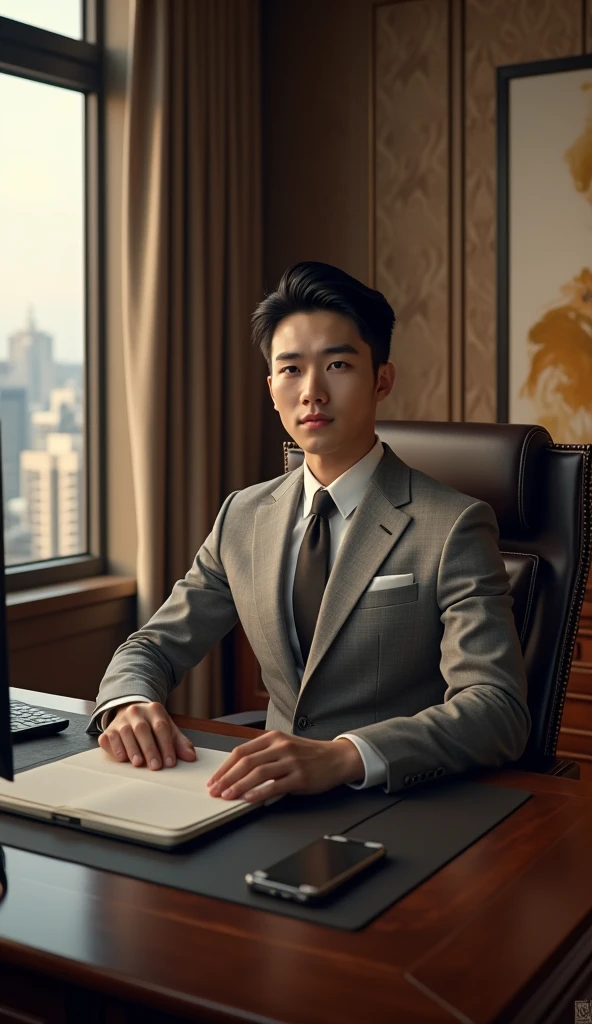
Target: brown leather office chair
[(541, 495)]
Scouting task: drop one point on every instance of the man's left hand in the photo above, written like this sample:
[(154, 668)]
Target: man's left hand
[(287, 764)]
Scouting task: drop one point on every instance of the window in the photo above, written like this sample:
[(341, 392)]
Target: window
[(50, 268), (62, 16)]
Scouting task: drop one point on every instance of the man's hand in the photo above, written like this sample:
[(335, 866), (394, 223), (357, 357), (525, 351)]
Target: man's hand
[(145, 734), (295, 765)]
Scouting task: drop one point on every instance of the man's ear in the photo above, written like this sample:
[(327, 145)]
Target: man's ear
[(271, 392), (385, 380)]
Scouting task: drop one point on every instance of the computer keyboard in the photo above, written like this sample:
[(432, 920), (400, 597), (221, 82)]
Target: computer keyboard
[(27, 722)]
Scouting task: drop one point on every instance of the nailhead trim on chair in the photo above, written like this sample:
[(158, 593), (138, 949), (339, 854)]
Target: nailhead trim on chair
[(287, 445)]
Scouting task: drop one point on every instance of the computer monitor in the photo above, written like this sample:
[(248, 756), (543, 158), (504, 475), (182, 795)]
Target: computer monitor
[(6, 768)]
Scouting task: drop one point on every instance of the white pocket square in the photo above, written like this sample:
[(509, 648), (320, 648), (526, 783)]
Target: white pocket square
[(389, 582)]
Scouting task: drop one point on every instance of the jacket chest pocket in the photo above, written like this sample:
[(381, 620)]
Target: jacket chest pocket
[(388, 598)]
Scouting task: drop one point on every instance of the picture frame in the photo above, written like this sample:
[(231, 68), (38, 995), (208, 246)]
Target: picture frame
[(544, 246)]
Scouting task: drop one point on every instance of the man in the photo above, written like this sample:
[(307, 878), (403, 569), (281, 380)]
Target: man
[(375, 598)]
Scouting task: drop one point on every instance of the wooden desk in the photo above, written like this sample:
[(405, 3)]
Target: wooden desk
[(502, 933)]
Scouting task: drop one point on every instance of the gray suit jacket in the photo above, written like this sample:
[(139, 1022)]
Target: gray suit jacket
[(430, 674)]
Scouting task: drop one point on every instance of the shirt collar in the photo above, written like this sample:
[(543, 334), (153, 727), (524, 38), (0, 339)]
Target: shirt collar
[(347, 490)]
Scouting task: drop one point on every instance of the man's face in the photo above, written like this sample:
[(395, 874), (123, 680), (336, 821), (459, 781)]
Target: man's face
[(321, 366)]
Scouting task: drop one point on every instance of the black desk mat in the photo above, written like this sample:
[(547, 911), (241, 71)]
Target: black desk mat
[(422, 830), (73, 740)]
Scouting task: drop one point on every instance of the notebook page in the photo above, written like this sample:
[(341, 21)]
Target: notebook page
[(170, 798), (154, 806), (188, 775), (55, 785)]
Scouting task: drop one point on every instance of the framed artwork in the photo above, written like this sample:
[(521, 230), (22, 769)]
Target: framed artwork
[(544, 267)]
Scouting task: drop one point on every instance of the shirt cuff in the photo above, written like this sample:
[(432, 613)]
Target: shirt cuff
[(374, 766), (134, 698)]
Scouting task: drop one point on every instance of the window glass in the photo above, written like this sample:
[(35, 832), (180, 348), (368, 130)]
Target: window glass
[(63, 16), (42, 319)]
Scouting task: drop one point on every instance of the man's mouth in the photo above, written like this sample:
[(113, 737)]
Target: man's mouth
[(315, 421)]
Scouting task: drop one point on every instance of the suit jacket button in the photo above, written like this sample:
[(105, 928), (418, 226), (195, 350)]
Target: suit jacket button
[(439, 771), (302, 722), (415, 778), (406, 780), (430, 773)]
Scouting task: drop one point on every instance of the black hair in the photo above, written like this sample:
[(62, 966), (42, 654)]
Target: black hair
[(309, 286)]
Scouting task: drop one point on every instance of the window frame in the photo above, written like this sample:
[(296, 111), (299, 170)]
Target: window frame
[(35, 53)]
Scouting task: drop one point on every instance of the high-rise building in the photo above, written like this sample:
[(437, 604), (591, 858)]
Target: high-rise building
[(64, 416), (69, 375), (51, 483), (31, 359), (14, 420)]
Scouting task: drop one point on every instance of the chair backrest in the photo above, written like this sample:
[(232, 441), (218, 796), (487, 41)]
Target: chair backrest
[(541, 495)]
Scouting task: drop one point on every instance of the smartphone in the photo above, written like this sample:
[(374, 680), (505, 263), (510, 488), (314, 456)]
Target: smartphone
[(317, 869)]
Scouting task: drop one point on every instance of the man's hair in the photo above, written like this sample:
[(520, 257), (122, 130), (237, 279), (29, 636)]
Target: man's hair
[(307, 287)]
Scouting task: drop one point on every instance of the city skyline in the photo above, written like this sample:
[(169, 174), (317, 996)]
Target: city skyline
[(43, 470), (42, 202), (30, 317)]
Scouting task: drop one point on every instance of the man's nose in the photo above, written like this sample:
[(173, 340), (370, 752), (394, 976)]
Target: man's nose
[(313, 389)]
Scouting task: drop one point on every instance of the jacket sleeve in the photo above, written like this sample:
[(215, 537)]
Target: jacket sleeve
[(198, 613), (484, 719)]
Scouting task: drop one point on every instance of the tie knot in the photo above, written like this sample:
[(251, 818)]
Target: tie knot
[(323, 504)]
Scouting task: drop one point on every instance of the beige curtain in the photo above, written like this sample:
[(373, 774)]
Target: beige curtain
[(192, 274)]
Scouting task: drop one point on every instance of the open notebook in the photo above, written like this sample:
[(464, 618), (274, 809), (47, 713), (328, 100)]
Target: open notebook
[(93, 792)]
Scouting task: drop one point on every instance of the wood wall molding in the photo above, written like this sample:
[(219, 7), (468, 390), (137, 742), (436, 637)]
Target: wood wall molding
[(457, 212), (411, 172), (62, 638), (27, 604)]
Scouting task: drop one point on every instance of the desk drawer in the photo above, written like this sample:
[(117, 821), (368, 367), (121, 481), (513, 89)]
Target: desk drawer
[(577, 712), (583, 648), (578, 741), (586, 614), (580, 680)]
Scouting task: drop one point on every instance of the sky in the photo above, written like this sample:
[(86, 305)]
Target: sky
[(42, 195)]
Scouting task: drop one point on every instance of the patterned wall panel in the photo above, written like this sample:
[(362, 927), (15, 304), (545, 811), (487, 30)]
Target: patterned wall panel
[(496, 32), (411, 155)]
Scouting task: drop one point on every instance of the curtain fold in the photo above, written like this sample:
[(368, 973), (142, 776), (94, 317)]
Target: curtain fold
[(192, 275)]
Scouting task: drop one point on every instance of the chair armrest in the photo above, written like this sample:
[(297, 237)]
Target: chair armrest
[(254, 719), (558, 766)]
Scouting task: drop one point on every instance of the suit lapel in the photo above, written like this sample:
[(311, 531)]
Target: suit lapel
[(364, 549), (271, 540)]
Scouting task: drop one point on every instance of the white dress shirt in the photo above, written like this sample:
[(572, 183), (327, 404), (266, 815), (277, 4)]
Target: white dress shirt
[(347, 491)]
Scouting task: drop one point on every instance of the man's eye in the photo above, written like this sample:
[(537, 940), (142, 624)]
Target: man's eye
[(284, 368), (340, 361)]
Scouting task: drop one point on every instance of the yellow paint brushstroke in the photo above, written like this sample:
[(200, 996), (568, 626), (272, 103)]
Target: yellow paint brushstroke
[(560, 377), (579, 156)]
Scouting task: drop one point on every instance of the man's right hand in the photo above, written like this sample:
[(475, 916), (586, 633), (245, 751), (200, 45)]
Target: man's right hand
[(145, 734)]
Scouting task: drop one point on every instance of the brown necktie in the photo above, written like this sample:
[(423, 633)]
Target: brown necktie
[(312, 570)]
